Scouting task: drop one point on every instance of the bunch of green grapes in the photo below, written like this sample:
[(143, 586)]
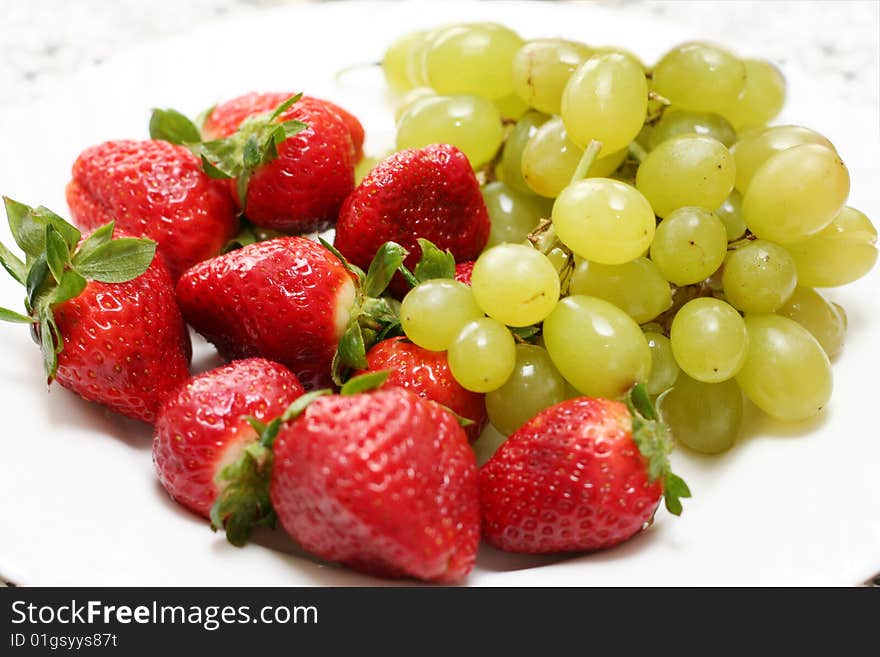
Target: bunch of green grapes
[(647, 226)]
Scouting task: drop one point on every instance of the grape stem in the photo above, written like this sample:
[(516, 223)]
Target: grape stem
[(637, 152), (591, 152)]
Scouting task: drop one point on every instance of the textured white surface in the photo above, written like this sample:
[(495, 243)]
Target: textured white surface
[(78, 499), (43, 41)]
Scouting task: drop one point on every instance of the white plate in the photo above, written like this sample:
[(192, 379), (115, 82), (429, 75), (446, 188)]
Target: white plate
[(78, 499)]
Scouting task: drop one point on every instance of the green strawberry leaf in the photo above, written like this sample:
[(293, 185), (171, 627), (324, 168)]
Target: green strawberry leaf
[(26, 231), (118, 261), (354, 269), (98, 238), (70, 286), (57, 253), (7, 315), (68, 231), (36, 279), (352, 351), (214, 171), (202, 116), (170, 125), (365, 382), (13, 264), (386, 262), (651, 436), (434, 263), (51, 343), (283, 107)]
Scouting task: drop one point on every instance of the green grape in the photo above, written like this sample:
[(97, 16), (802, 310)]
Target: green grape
[(688, 170), (700, 77), (410, 98), (709, 340), (512, 214), (680, 122), (705, 417), (636, 287), (759, 277), (534, 385), (664, 369), (511, 158), (762, 96), (470, 123), (606, 100), (689, 245), (752, 150), (487, 444), (515, 284), (604, 220), (433, 312), (511, 107), (787, 374), (472, 59), (840, 253), (560, 258), (541, 68), (550, 159), (482, 356), (604, 50), (395, 63), (819, 316), (796, 193), (364, 167), (730, 213), (415, 61), (596, 346)]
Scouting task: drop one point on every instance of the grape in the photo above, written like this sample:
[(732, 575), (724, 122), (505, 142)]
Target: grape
[(410, 98), (541, 68), (605, 100), (534, 385), (433, 312), (796, 193), (751, 151), (511, 107), (604, 50), (487, 444), (513, 214), (819, 316), (709, 340), (759, 277), (700, 77), (664, 369), (596, 346), (515, 284), (365, 166), (706, 417), (787, 374), (636, 287), (482, 356), (470, 123), (762, 96), (840, 253), (680, 122), (511, 158), (686, 170), (395, 63), (689, 245), (473, 59), (559, 258), (730, 213), (550, 159), (604, 221)]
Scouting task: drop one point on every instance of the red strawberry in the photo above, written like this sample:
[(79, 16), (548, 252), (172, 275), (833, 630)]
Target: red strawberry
[(157, 190), (104, 312), (202, 428), (290, 300), (427, 374), (463, 272), (300, 187), (429, 192), (355, 128), (585, 474), (384, 482)]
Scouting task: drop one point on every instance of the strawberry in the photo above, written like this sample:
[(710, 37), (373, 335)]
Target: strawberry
[(153, 189), (202, 427), (427, 374), (429, 192), (102, 311), (290, 300), (464, 271), (291, 162), (585, 474)]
